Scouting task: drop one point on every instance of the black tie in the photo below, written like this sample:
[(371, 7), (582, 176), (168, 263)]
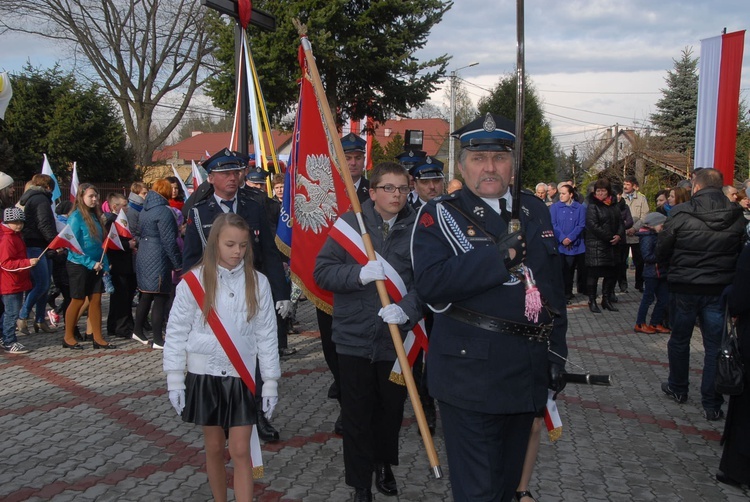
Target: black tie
[(229, 204), (504, 212)]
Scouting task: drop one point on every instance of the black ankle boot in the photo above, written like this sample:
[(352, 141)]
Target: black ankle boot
[(593, 306), (608, 305)]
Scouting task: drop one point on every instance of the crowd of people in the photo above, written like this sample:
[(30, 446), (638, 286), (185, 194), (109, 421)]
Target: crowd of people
[(209, 285)]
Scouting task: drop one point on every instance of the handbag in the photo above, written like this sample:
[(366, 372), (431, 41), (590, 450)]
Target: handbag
[(730, 372)]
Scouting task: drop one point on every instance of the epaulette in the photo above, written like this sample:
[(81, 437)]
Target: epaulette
[(446, 197)]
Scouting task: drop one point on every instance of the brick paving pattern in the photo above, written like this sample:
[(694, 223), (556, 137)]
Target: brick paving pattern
[(97, 425)]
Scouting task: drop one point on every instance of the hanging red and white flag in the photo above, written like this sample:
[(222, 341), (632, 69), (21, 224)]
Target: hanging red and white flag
[(74, 183), (718, 102), (66, 239), (197, 176), (113, 242), (121, 223)]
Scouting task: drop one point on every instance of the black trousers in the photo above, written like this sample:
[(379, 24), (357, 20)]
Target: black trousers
[(372, 409), (281, 331), (325, 326), (569, 265), (485, 452), (622, 271), (120, 320), (158, 314)]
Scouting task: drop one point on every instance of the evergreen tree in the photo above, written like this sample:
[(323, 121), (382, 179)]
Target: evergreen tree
[(742, 155), (678, 107), (51, 113), (538, 149), (394, 147), (364, 52)]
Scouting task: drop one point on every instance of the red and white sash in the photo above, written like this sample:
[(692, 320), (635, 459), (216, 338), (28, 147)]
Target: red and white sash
[(351, 240), (244, 366)]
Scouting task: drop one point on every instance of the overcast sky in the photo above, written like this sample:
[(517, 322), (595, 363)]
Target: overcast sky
[(595, 63)]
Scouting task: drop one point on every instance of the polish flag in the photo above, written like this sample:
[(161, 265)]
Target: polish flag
[(74, 183), (197, 176), (718, 102), (112, 242), (66, 239), (121, 223)]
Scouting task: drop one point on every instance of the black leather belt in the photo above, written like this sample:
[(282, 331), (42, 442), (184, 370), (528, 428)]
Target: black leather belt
[(490, 323)]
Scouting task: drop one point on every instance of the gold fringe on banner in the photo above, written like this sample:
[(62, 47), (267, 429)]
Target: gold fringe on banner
[(555, 434), (397, 378)]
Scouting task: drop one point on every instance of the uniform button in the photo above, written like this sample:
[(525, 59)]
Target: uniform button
[(223, 372), (463, 352), (231, 295)]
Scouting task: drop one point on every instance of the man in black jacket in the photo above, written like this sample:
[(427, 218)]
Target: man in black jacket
[(701, 239)]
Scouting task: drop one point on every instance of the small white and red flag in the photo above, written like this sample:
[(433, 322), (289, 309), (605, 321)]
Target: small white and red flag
[(74, 183), (66, 239), (123, 228), (113, 242)]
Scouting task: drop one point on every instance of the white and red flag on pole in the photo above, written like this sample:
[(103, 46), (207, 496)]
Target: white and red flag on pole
[(66, 239), (113, 242), (314, 195), (718, 102), (121, 223), (74, 183)]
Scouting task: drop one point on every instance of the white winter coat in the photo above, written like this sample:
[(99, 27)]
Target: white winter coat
[(191, 344)]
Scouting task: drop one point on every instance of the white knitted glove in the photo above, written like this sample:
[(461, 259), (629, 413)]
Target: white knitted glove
[(393, 314), (371, 272)]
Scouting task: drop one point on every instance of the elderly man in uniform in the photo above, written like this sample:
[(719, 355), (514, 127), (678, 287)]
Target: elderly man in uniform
[(225, 172), (490, 364)]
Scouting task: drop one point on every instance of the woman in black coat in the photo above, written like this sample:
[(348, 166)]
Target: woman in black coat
[(604, 232), (158, 255), (734, 467)]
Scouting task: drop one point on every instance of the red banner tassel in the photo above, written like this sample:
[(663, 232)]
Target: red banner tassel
[(533, 297)]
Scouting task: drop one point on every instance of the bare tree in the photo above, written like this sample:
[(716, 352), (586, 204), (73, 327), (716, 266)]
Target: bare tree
[(141, 52)]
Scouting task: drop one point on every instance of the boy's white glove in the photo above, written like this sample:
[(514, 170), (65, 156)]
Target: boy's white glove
[(393, 314), (177, 398), (372, 271)]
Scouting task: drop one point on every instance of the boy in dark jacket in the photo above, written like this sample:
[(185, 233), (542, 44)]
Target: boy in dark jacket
[(654, 277), (15, 277)]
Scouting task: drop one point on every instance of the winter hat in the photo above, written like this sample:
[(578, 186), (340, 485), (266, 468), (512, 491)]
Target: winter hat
[(13, 214), (5, 180), (654, 219)]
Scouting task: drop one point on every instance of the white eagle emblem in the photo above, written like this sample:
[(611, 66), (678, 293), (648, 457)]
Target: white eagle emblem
[(314, 210)]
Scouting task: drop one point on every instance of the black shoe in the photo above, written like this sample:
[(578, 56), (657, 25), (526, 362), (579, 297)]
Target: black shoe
[(623, 288), (104, 346), (77, 335), (593, 307), (384, 480), (265, 430), (613, 298), (75, 346), (607, 305), (362, 495), (338, 427), (713, 415), (723, 478), (680, 398), (287, 351)]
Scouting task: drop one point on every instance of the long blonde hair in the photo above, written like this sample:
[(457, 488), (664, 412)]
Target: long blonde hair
[(210, 262), (95, 230)]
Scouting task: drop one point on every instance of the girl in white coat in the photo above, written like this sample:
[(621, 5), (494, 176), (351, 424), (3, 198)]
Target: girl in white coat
[(212, 394)]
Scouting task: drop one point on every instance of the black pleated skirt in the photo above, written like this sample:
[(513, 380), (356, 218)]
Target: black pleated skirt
[(222, 401)]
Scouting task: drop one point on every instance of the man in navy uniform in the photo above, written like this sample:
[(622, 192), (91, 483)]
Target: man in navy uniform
[(354, 151), (428, 180), (225, 174), (490, 365)]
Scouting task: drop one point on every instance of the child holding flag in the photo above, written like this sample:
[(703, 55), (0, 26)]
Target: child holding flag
[(223, 320), (85, 271), (15, 277)]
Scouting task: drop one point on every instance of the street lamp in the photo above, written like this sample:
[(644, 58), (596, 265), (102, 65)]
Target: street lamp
[(451, 147)]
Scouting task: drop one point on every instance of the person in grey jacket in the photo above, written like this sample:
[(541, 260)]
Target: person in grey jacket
[(372, 406), (158, 255)]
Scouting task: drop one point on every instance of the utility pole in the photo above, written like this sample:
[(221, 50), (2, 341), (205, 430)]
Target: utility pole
[(262, 20), (452, 121)]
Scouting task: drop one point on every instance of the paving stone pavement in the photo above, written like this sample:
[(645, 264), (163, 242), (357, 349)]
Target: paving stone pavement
[(97, 425)]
